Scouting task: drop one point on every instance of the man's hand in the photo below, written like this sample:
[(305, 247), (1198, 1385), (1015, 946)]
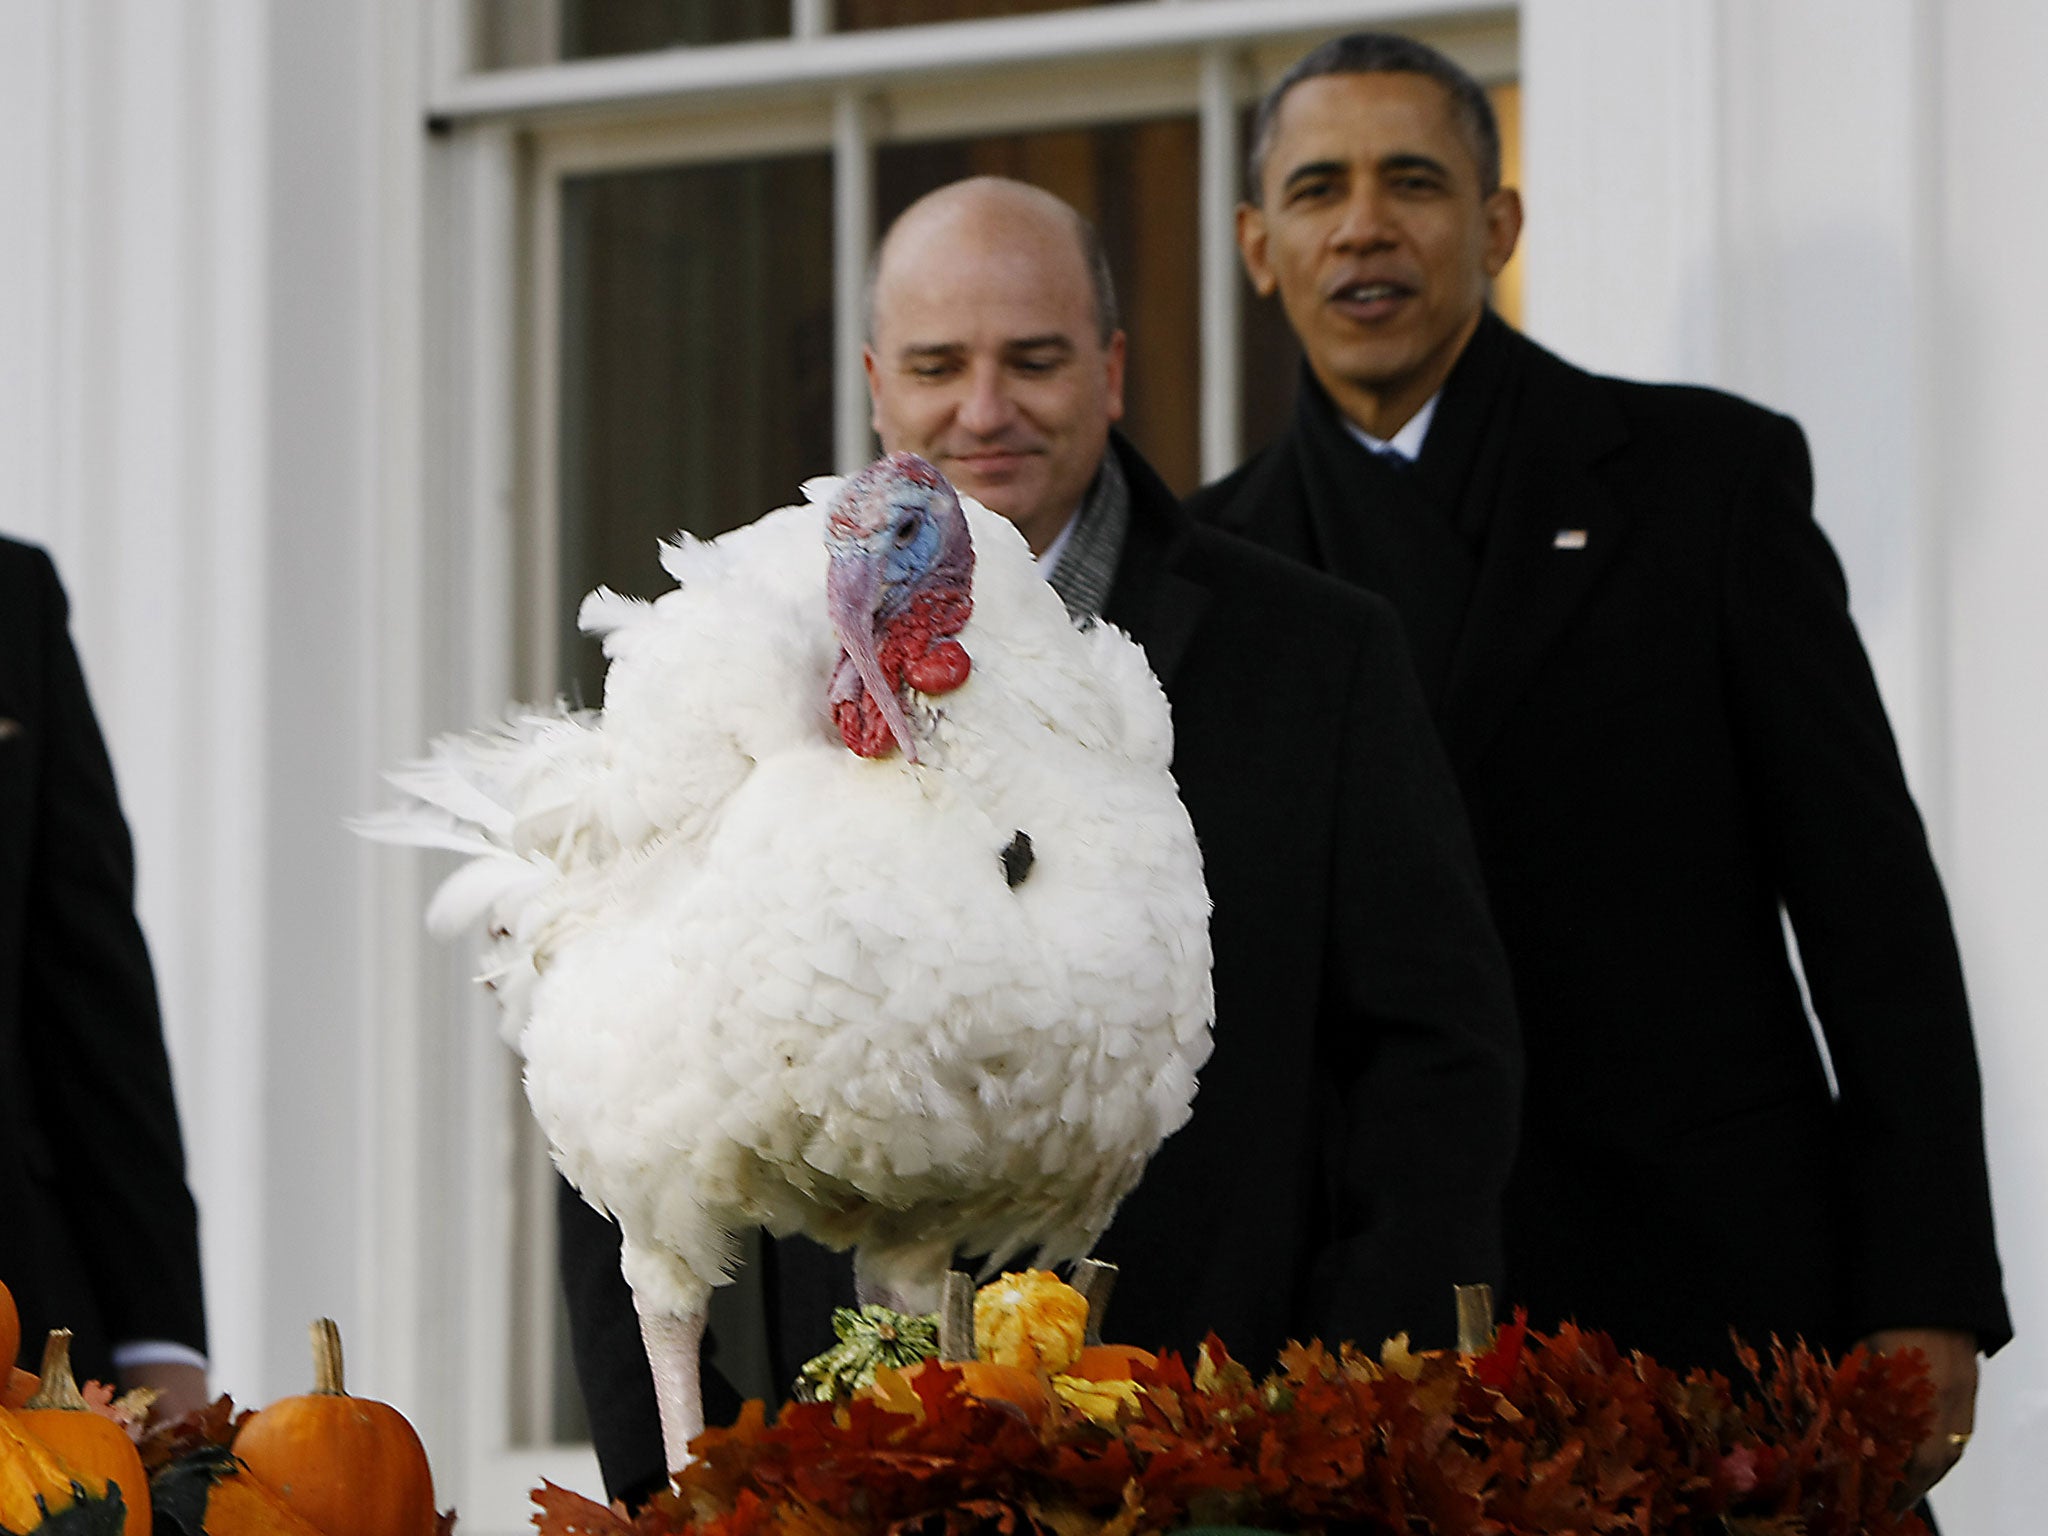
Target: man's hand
[(180, 1389), (1952, 1364)]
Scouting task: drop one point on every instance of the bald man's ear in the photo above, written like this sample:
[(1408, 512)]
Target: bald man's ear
[(1251, 245), (1115, 349), (867, 363)]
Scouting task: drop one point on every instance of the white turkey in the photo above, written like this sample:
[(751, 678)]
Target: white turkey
[(865, 908)]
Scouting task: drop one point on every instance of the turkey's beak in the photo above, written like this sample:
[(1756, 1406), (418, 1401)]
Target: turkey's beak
[(852, 588)]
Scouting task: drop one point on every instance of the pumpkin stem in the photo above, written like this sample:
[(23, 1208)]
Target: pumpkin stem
[(327, 1357), (60, 1387)]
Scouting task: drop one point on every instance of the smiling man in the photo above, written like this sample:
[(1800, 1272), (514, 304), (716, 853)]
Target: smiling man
[(1637, 646), (1381, 232), (997, 359)]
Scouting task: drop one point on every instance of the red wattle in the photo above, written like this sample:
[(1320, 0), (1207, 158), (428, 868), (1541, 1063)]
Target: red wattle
[(862, 727), (915, 649), (915, 646), (941, 669)]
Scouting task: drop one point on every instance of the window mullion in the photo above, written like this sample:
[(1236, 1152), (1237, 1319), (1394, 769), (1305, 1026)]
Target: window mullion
[(1220, 293), (810, 18), (853, 236)]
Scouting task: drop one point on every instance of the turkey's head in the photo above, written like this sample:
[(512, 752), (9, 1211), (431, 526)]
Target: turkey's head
[(899, 585)]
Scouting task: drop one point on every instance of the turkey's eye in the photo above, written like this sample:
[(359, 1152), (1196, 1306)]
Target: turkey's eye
[(906, 528)]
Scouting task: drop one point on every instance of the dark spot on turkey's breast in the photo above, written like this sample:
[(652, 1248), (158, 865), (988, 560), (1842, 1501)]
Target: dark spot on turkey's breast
[(1017, 859)]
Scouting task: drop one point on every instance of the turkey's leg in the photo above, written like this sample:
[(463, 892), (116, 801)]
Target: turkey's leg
[(673, 1343), (904, 1277)]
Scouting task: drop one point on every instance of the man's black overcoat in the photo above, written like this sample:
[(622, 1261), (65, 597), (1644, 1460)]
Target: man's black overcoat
[(1353, 1129), (100, 1234), (1639, 653)]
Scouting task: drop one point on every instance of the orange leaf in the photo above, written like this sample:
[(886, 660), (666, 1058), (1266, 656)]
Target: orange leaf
[(563, 1513), (1110, 1362), (892, 1390)]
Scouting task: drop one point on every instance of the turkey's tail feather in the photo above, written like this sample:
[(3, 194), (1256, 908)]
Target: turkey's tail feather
[(534, 807)]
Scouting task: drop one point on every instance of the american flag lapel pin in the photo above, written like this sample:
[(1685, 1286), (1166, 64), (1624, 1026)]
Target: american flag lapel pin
[(1569, 538)]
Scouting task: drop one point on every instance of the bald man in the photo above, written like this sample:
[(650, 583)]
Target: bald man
[(1354, 1127)]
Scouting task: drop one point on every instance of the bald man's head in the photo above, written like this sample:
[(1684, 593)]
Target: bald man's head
[(989, 192), (992, 348)]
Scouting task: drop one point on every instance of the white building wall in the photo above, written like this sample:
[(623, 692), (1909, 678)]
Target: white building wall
[(133, 422), (208, 325), (1990, 516), (212, 334), (1823, 205)]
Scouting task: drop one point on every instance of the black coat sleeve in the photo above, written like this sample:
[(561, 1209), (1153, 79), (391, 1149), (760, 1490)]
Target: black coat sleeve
[(1873, 928), (104, 1108), (1420, 1025)]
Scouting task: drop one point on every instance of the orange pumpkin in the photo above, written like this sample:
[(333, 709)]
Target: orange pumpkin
[(10, 1329), (58, 1417), (1004, 1384), (241, 1506), (1010, 1385), (1110, 1362), (19, 1387), (35, 1482), (346, 1465), (209, 1491)]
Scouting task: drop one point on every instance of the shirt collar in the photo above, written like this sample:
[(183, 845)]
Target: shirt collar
[(1049, 562), (1406, 443)]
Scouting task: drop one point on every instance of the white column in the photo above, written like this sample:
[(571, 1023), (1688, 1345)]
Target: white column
[(1824, 206), (133, 155), (1828, 118), (1988, 389), (1734, 193), (1621, 175)]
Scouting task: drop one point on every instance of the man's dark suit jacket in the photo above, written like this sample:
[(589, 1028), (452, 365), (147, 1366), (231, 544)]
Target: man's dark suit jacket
[(100, 1234), (1638, 649), (1352, 1131)]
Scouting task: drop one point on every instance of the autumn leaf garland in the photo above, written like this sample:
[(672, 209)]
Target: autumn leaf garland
[(1544, 1434)]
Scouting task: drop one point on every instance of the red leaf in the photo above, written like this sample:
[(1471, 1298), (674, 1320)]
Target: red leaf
[(1498, 1365)]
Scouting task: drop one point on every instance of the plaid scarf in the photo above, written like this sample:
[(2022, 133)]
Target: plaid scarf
[(1088, 563)]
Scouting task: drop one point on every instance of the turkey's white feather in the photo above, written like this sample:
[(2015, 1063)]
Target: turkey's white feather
[(757, 979)]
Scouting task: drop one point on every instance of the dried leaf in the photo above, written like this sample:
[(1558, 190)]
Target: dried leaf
[(1540, 1435), (891, 1389), (1397, 1359), (562, 1513), (213, 1425)]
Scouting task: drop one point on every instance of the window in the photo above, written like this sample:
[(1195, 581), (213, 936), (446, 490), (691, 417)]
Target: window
[(696, 384), (521, 34)]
